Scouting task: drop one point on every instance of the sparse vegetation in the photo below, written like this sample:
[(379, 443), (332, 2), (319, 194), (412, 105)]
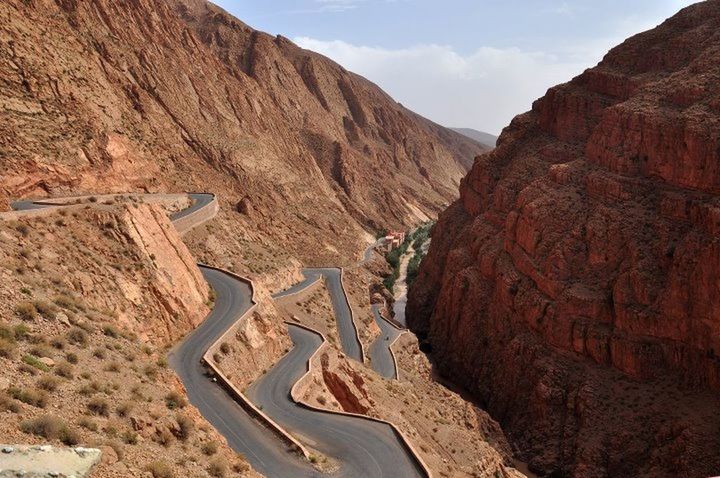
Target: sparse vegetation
[(7, 404), (77, 336), (186, 426), (64, 370), (48, 383), (124, 409), (209, 448), (99, 406), (160, 469), (51, 428), (174, 400), (36, 398), (218, 467), (33, 361), (130, 437), (45, 309), (7, 348), (26, 311), (111, 331), (88, 424)]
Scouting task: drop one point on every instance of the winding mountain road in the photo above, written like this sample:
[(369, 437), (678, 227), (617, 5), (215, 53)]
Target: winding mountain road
[(343, 315), (363, 447), (366, 448), (379, 352), (245, 435)]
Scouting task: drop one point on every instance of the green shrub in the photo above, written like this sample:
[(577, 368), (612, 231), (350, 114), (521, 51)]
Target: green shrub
[(51, 428), (21, 332), (35, 362)]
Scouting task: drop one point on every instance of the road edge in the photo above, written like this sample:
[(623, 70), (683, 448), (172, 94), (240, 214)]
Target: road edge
[(294, 395)]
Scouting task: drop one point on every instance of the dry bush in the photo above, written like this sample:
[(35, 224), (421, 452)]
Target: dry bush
[(99, 353), (51, 428), (7, 348), (209, 448), (7, 404), (31, 396), (112, 367), (124, 409), (160, 469), (164, 437), (175, 400), (26, 311), (99, 406), (45, 309), (77, 336), (186, 427), (218, 467), (48, 383), (88, 424), (64, 370)]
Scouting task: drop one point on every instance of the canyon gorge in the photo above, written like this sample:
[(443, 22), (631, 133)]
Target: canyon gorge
[(572, 288)]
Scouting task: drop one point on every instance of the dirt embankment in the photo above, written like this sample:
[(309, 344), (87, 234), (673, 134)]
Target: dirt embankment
[(89, 297)]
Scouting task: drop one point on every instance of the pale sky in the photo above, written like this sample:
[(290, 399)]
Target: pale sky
[(463, 63)]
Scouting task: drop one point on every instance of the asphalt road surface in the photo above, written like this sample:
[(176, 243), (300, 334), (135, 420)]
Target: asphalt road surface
[(262, 448), (343, 317), (380, 356), (199, 201), (364, 448)]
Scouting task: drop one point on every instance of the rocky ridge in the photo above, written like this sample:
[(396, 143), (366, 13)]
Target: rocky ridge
[(155, 95), (572, 287)]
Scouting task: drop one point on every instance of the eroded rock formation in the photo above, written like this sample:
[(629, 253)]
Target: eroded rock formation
[(156, 95), (574, 286)]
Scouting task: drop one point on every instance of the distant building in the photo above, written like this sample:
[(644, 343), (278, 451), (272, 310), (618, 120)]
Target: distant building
[(393, 240)]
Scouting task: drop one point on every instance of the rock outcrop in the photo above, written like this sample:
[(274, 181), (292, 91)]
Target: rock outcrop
[(157, 95), (573, 287)]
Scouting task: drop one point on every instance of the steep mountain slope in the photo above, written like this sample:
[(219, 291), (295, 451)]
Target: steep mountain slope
[(573, 287), (154, 95), (481, 137)]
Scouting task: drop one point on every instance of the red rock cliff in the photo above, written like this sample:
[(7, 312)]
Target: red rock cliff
[(575, 285)]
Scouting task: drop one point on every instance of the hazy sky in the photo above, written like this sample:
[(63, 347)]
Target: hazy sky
[(467, 63)]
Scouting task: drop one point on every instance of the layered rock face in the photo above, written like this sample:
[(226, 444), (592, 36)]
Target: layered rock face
[(574, 286), (156, 95)]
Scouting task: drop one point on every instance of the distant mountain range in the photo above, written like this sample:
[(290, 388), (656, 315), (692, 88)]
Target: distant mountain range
[(481, 137)]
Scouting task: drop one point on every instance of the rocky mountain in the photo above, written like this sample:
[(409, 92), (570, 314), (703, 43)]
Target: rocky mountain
[(158, 95), (487, 139), (573, 287)]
